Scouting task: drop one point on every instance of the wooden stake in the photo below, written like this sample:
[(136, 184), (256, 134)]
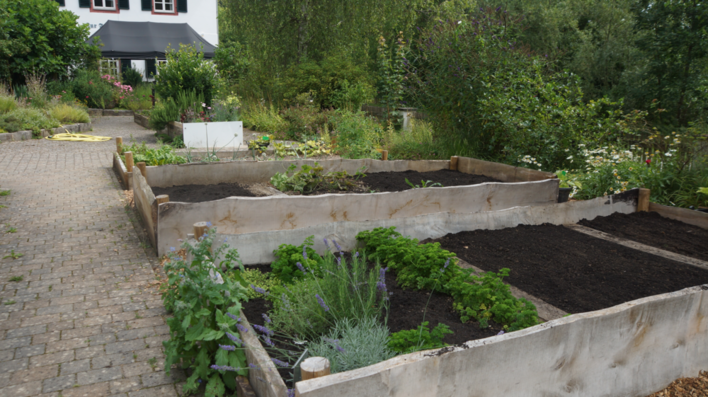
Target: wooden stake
[(163, 198), (129, 161), (643, 202), (143, 168), (244, 387), (314, 367), (453, 163), (384, 155), (119, 145), (200, 229)]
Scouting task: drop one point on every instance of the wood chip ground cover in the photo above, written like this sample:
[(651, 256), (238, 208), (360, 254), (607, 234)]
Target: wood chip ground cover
[(379, 182), (570, 270), (686, 387), (652, 229)]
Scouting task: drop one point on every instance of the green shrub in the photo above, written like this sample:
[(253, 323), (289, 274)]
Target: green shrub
[(357, 135), (338, 289), (7, 104), (266, 281), (258, 116), (413, 340), (138, 99), (288, 256), (205, 307), (305, 121), (90, 88), (163, 113), (132, 78), (427, 266), (67, 114), (22, 119), (351, 345), (186, 70)]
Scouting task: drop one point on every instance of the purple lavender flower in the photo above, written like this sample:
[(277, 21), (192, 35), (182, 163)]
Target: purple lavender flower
[(259, 290), (337, 245), (262, 329), (447, 263), (301, 267), (339, 261), (224, 368), (208, 224), (501, 332), (304, 252), (173, 249), (268, 342), (252, 365), (291, 393), (326, 242), (241, 328), (280, 363), (381, 284), (335, 342), (266, 318), (356, 254), (322, 302), (234, 338), (228, 347), (234, 317)]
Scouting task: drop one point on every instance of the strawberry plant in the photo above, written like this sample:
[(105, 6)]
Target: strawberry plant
[(205, 308)]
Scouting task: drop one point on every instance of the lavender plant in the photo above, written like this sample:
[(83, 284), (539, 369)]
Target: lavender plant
[(205, 308)]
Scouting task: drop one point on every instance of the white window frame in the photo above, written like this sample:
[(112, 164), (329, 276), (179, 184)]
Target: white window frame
[(103, 5), (109, 66), (163, 4)]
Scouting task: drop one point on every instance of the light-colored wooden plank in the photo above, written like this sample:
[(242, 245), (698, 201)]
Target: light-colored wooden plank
[(695, 218), (453, 162), (643, 203)]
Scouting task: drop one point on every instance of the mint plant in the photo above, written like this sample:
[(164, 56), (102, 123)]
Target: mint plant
[(421, 338), (205, 308)]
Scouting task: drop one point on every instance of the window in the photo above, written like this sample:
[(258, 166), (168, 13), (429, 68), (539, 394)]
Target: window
[(109, 66), (104, 4), (165, 6)]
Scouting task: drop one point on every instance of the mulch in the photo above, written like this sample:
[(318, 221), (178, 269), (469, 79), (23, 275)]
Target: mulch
[(686, 387)]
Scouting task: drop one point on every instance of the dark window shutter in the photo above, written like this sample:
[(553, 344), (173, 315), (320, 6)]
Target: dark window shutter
[(125, 64), (146, 5), (124, 4), (85, 3), (61, 2), (181, 5), (150, 67)]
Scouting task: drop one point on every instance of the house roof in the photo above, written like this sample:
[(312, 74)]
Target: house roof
[(146, 40)]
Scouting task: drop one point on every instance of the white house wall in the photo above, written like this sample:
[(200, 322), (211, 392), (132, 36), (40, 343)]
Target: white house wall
[(201, 15)]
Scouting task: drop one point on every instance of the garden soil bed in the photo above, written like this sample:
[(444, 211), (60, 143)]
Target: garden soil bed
[(570, 270), (652, 229), (377, 182)]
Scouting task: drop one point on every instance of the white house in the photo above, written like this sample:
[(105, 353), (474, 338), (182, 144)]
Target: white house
[(200, 15)]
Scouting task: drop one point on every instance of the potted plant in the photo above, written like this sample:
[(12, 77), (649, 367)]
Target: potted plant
[(565, 188)]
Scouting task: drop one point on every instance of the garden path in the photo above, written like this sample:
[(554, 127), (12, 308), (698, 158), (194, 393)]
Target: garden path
[(84, 319)]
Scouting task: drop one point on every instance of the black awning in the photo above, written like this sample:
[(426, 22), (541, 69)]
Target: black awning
[(147, 40)]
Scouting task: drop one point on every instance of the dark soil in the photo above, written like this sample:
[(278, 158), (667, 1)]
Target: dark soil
[(406, 311), (201, 193), (570, 270), (378, 182), (652, 229)]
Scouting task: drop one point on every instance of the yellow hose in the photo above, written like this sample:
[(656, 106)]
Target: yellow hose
[(78, 137)]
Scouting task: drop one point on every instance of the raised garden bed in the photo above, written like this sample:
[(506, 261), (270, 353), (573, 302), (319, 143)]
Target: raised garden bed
[(570, 270), (652, 229), (370, 183)]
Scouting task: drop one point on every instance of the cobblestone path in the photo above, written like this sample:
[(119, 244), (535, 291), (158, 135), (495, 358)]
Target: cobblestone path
[(77, 314)]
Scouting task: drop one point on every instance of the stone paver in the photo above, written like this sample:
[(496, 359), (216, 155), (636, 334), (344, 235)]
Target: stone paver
[(80, 322)]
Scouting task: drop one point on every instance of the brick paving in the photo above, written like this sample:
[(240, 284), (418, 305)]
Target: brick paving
[(81, 321)]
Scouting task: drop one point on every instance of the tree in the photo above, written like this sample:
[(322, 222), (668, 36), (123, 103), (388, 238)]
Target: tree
[(36, 37)]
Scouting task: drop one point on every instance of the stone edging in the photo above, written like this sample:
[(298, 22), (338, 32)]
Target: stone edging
[(26, 135), (109, 112), (173, 129)]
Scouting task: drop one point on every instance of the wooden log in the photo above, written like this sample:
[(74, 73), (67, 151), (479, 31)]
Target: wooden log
[(163, 198), (453, 162), (384, 155), (243, 386), (200, 229), (143, 169), (314, 367), (129, 161), (643, 202)]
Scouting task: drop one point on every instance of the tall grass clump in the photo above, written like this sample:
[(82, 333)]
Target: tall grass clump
[(7, 104), (262, 117), (68, 114), (416, 143)]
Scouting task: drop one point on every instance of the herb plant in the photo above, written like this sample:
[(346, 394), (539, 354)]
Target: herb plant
[(205, 308), (286, 266), (423, 184), (413, 340)]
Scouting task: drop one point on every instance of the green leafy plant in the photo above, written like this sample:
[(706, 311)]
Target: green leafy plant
[(427, 266), (67, 114), (161, 156), (312, 178), (10, 302), (186, 70), (11, 230), (288, 256), (13, 255), (132, 77), (4, 193), (205, 308), (424, 184), (17, 278), (89, 87), (413, 340), (265, 281), (351, 345)]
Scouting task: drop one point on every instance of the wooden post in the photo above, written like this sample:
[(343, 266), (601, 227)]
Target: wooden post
[(243, 386), (143, 168), (119, 145), (384, 155), (314, 367), (163, 198), (643, 202), (129, 161), (453, 163), (200, 229)]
